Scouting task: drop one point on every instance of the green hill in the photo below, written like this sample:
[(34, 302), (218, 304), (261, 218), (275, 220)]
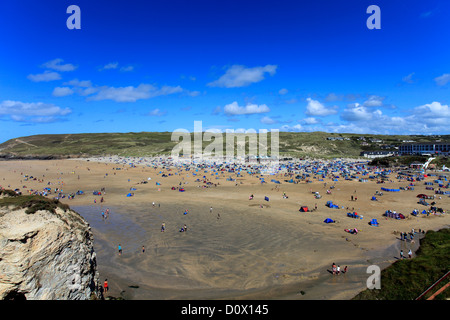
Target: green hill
[(301, 144)]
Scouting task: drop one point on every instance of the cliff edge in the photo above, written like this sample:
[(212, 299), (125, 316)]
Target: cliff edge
[(46, 254)]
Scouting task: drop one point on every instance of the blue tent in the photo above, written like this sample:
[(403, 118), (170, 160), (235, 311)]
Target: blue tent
[(374, 222), (328, 220), (129, 195), (390, 190), (266, 198)]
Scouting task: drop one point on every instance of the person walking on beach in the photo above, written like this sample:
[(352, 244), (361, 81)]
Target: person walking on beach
[(143, 249), (210, 210), (105, 286), (410, 253), (401, 254), (163, 227), (119, 247)]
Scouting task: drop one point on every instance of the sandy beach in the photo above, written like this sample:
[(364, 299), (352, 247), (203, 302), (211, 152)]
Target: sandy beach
[(234, 248)]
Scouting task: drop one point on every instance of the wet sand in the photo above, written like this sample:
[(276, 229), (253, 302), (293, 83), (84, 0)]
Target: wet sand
[(273, 252)]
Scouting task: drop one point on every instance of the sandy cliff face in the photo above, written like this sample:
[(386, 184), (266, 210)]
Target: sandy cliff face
[(46, 256)]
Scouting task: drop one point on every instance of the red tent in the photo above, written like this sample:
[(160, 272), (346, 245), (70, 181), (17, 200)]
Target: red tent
[(304, 209)]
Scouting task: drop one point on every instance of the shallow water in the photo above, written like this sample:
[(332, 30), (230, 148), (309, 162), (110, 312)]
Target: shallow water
[(216, 258)]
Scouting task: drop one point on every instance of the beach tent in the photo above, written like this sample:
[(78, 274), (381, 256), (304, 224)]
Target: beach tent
[(328, 220), (266, 198), (353, 215), (390, 190), (158, 184), (129, 195), (374, 198), (181, 190), (331, 205), (374, 222), (304, 209)]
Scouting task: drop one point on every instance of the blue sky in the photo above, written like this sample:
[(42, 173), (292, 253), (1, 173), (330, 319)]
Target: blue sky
[(161, 65)]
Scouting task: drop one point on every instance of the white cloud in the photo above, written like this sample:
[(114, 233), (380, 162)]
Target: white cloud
[(62, 91), (333, 97), (310, 120), (115, 65), (78, 83), (426, 119), (315, 108), (234, 109), (157, 113), (433, 110), (56, 65), (442, 80), (374, 101), (267, 120), (408, 78), (32, 112), (111, 65), (289, 128), (240, 76), (217, 110), (44, 77), (127, 69), (132, 94), (165, 90), (124, 94), (356, 112), (283, 91)]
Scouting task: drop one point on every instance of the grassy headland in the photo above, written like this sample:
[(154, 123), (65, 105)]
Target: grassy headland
[(295, 144)]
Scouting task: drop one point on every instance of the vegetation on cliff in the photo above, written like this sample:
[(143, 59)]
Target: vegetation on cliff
[(406, 279), (32, 203)]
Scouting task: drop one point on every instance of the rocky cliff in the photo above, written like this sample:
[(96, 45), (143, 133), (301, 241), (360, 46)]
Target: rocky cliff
[(46, 255)]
